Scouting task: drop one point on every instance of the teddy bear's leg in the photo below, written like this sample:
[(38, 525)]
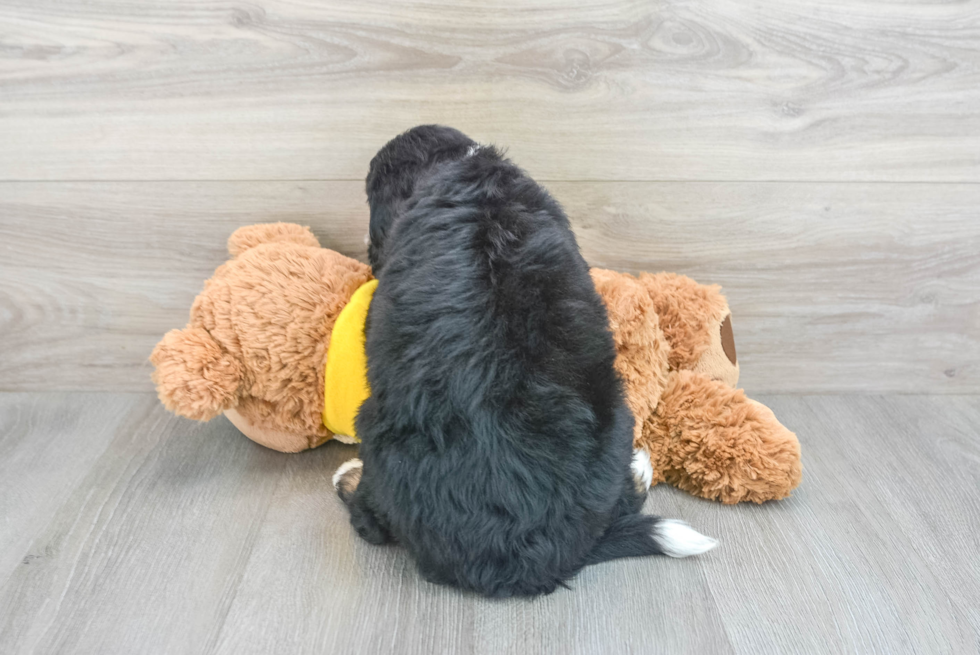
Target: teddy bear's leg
[(253, 235), (281, 440), (194, 375), (716, 443)]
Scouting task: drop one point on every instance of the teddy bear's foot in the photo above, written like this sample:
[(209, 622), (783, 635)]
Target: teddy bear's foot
[(281, 440), (720, 445)]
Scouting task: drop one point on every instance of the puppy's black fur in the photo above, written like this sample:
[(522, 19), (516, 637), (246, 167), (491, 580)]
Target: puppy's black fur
[(496, 442), (405, 162)]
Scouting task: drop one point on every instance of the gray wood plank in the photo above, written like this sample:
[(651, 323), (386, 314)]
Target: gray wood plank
[(942, 525), (48, 444), (358, 598), (145, 555), (179, 537), (91, 277), (777, 89), (834, 287), (856, 561)]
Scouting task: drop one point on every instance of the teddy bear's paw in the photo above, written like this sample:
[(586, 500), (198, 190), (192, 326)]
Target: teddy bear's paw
[(642, 470), (195, 375), (347, 477)]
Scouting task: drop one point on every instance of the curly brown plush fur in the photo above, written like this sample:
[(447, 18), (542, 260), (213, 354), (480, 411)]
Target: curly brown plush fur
[(702, 434), (641, 347), (714, 442), (258, 335), (686, 310)]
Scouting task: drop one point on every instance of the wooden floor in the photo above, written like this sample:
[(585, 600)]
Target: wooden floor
[(127, 530)]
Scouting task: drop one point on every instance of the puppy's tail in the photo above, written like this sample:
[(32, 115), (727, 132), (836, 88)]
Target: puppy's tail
[(639, 535)]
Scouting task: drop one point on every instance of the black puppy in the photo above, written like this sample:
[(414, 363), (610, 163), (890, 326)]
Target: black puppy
[(496, 444)]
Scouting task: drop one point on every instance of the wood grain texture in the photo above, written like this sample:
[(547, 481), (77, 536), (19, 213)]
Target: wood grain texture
[(181, 537), (145, 553), (834, 287), (612, 90), (47, 446), (876, 548)]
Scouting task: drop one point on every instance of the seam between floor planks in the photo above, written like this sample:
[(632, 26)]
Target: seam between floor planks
[(247, 549)]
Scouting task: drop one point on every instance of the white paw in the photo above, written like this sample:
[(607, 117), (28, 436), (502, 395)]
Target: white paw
[(678, 539), (346, 466), (642, 468)]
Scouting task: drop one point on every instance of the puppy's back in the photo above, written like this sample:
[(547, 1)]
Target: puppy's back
[(496, 441)]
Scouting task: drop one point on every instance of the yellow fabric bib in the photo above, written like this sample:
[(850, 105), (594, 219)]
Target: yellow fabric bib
[(345, 384)]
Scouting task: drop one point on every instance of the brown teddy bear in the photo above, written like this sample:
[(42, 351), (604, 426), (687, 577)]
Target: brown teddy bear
[(275, 342), (676, 354)]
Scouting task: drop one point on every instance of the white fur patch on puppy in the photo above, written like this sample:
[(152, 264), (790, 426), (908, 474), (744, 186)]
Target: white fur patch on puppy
[(346, 466), (678, 539), (642, 469)]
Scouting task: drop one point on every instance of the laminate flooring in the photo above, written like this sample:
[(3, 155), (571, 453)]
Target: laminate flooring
[(127, 530)]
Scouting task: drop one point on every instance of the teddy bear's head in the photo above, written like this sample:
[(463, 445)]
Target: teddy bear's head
[(697, 324), (256, 344), (664, 323)]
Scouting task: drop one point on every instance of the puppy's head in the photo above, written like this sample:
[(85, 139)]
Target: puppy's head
[(397, 169)]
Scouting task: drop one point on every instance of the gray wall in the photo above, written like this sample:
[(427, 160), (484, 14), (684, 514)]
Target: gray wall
[(821, 165)]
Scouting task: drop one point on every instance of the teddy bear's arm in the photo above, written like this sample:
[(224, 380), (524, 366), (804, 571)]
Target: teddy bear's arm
[(195, 377)]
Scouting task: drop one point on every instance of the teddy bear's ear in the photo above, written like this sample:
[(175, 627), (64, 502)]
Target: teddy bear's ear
[(195, 376), (253, 235)]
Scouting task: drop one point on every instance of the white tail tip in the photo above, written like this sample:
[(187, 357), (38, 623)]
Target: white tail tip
[(346, 466), (678, 539)]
